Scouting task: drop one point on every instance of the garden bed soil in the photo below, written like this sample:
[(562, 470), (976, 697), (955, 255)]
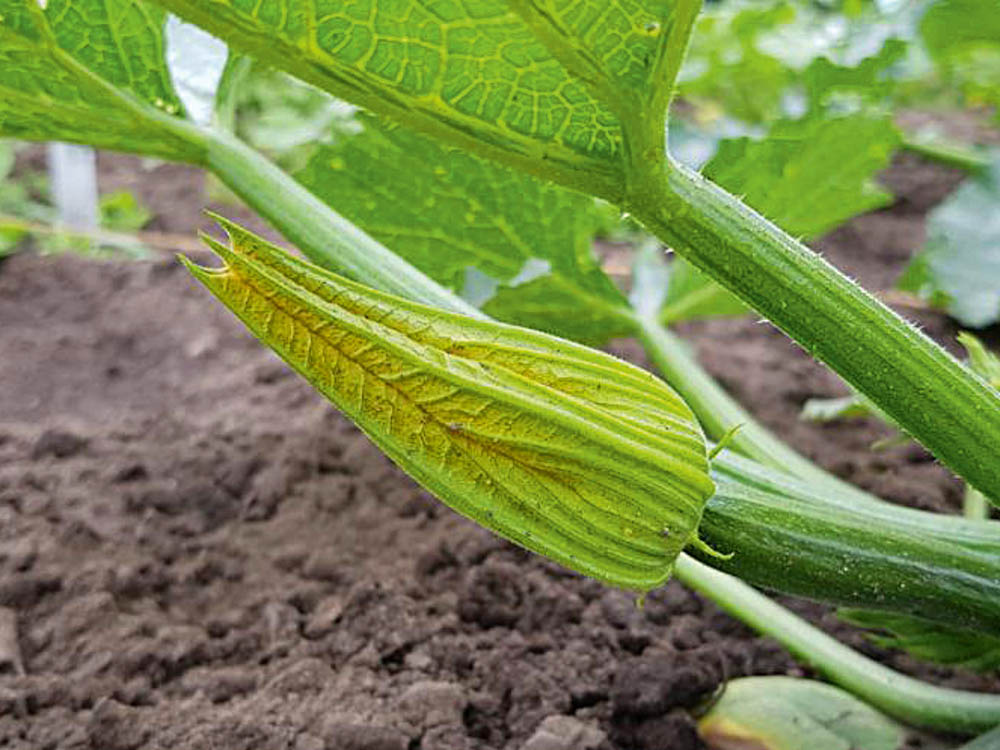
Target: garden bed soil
[(197, 551)]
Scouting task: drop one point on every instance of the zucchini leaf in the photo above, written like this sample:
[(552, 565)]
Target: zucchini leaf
[(89, 71), (544, 86), (930, 641), (518, 248), (959, 266), (561, 449), (786, 713)]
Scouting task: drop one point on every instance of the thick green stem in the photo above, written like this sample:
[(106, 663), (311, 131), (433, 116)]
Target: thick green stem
[(857, 506), (900, 696), (322, 234), (955, 414), (670, 57)]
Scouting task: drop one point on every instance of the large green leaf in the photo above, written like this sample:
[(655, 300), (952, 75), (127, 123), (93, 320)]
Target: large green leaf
[(785, 713), (542, 84), (960, 263), (559, 448), (89, 71), (523, 246), (929, 640)]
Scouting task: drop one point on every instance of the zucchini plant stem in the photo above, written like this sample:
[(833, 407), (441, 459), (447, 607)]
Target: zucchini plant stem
[(951, 411), (329, 240), (900, 696), (857, 506)]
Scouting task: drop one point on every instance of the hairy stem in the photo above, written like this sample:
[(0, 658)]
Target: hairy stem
[(975, 535), (900, 696), (670, 58), (952, 412)]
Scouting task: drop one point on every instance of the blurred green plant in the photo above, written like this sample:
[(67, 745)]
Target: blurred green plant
[(17, 200), (25, 213)]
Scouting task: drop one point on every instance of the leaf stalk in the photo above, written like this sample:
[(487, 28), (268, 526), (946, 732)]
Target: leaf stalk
[(831, 317)]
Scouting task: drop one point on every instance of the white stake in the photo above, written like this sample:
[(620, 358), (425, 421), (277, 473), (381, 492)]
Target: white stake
[(73, 174)]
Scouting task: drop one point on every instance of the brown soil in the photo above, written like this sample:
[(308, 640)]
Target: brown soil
[(196, 551)]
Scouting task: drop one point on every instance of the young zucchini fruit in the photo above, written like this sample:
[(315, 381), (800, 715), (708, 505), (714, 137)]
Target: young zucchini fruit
[(561, 449), (789, 539)]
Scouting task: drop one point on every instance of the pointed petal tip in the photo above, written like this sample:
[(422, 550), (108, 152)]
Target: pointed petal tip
[(195, 270), (215, 246)]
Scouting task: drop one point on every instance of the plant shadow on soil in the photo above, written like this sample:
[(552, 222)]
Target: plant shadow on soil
[(199, 552)]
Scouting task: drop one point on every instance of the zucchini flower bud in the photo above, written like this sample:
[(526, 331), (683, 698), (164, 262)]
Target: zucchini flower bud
[(559, 448)]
